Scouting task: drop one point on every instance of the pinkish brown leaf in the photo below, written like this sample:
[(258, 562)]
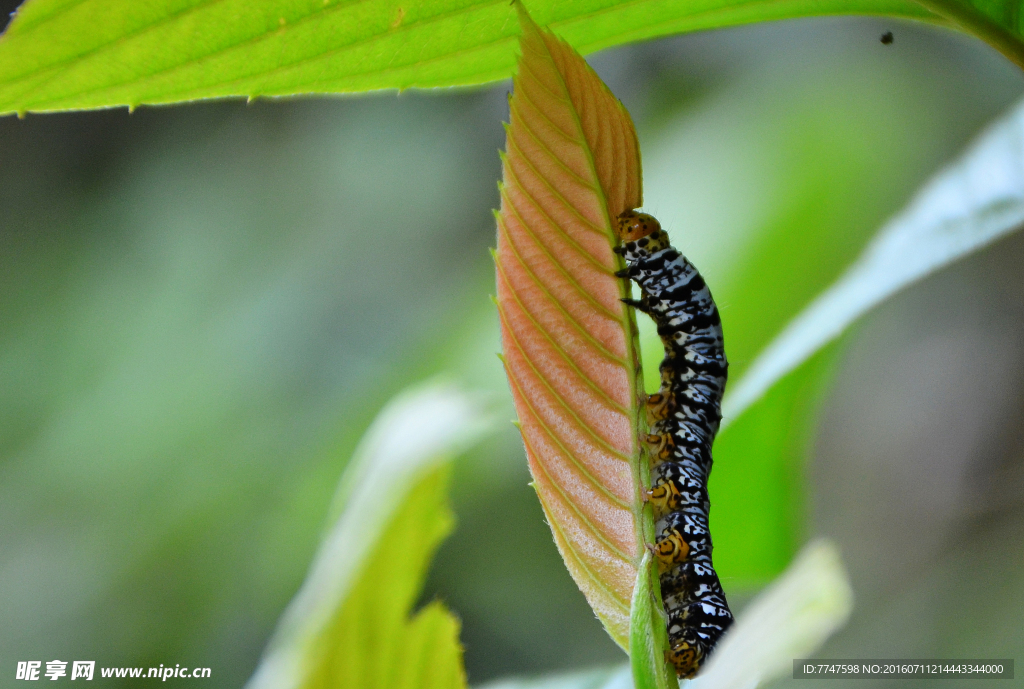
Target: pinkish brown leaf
[(571, 165)]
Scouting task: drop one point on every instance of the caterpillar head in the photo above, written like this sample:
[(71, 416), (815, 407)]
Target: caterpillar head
[(633, 226), (640, 230)]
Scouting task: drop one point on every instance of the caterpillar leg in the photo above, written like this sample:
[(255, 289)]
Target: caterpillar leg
[(661, 446), (638, 304), (670, 550), (664, 495), (659, 406)]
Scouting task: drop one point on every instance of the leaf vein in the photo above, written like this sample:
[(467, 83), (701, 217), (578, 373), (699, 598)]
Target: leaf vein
[(565, 356), (587, 224), (585, 426), (602, 350), (591, 526), (560, 266), (544, 147), (597, 581)]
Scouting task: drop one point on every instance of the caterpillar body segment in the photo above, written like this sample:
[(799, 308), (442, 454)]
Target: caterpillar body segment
[(684, 417)]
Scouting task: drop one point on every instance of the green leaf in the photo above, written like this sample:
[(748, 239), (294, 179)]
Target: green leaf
[(648, 636), (757, 487), (830, 183), (60, 55), (349, 624)]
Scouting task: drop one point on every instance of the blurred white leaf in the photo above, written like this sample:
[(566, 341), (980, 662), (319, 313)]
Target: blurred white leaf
[(418, 430), (605, 678), (790, 619), (974, 201)]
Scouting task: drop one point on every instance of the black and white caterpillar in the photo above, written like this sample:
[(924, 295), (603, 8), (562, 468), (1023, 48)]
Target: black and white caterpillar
[(684, 416)]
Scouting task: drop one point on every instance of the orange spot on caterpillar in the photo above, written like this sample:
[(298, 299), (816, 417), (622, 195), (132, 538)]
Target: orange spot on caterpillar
[(660, 446)]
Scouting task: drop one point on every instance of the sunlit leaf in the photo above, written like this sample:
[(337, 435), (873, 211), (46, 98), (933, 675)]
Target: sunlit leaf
[(349, 625), (571, 166), (58, 55)]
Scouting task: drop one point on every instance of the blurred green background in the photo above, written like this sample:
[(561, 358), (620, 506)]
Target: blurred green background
[(202, 307)]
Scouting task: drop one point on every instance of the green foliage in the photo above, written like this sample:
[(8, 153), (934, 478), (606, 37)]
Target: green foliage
[(962, 209), (349, 625), (372, 643), (647, 633), (63, 55), (758, 487), (789, 619), (58, 55), (603, 678)]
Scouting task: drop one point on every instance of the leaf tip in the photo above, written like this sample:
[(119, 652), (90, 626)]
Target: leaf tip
[(524, 15)]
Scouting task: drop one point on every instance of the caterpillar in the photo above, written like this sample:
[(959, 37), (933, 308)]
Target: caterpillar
[(683, 416)]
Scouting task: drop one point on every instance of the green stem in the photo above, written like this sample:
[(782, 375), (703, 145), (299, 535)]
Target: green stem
[(977, 23)]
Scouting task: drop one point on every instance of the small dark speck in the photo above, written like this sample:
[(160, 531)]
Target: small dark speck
[(886, 38)]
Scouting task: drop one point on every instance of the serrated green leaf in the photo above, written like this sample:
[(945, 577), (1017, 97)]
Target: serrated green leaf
[(60, 55), (349, 625)]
